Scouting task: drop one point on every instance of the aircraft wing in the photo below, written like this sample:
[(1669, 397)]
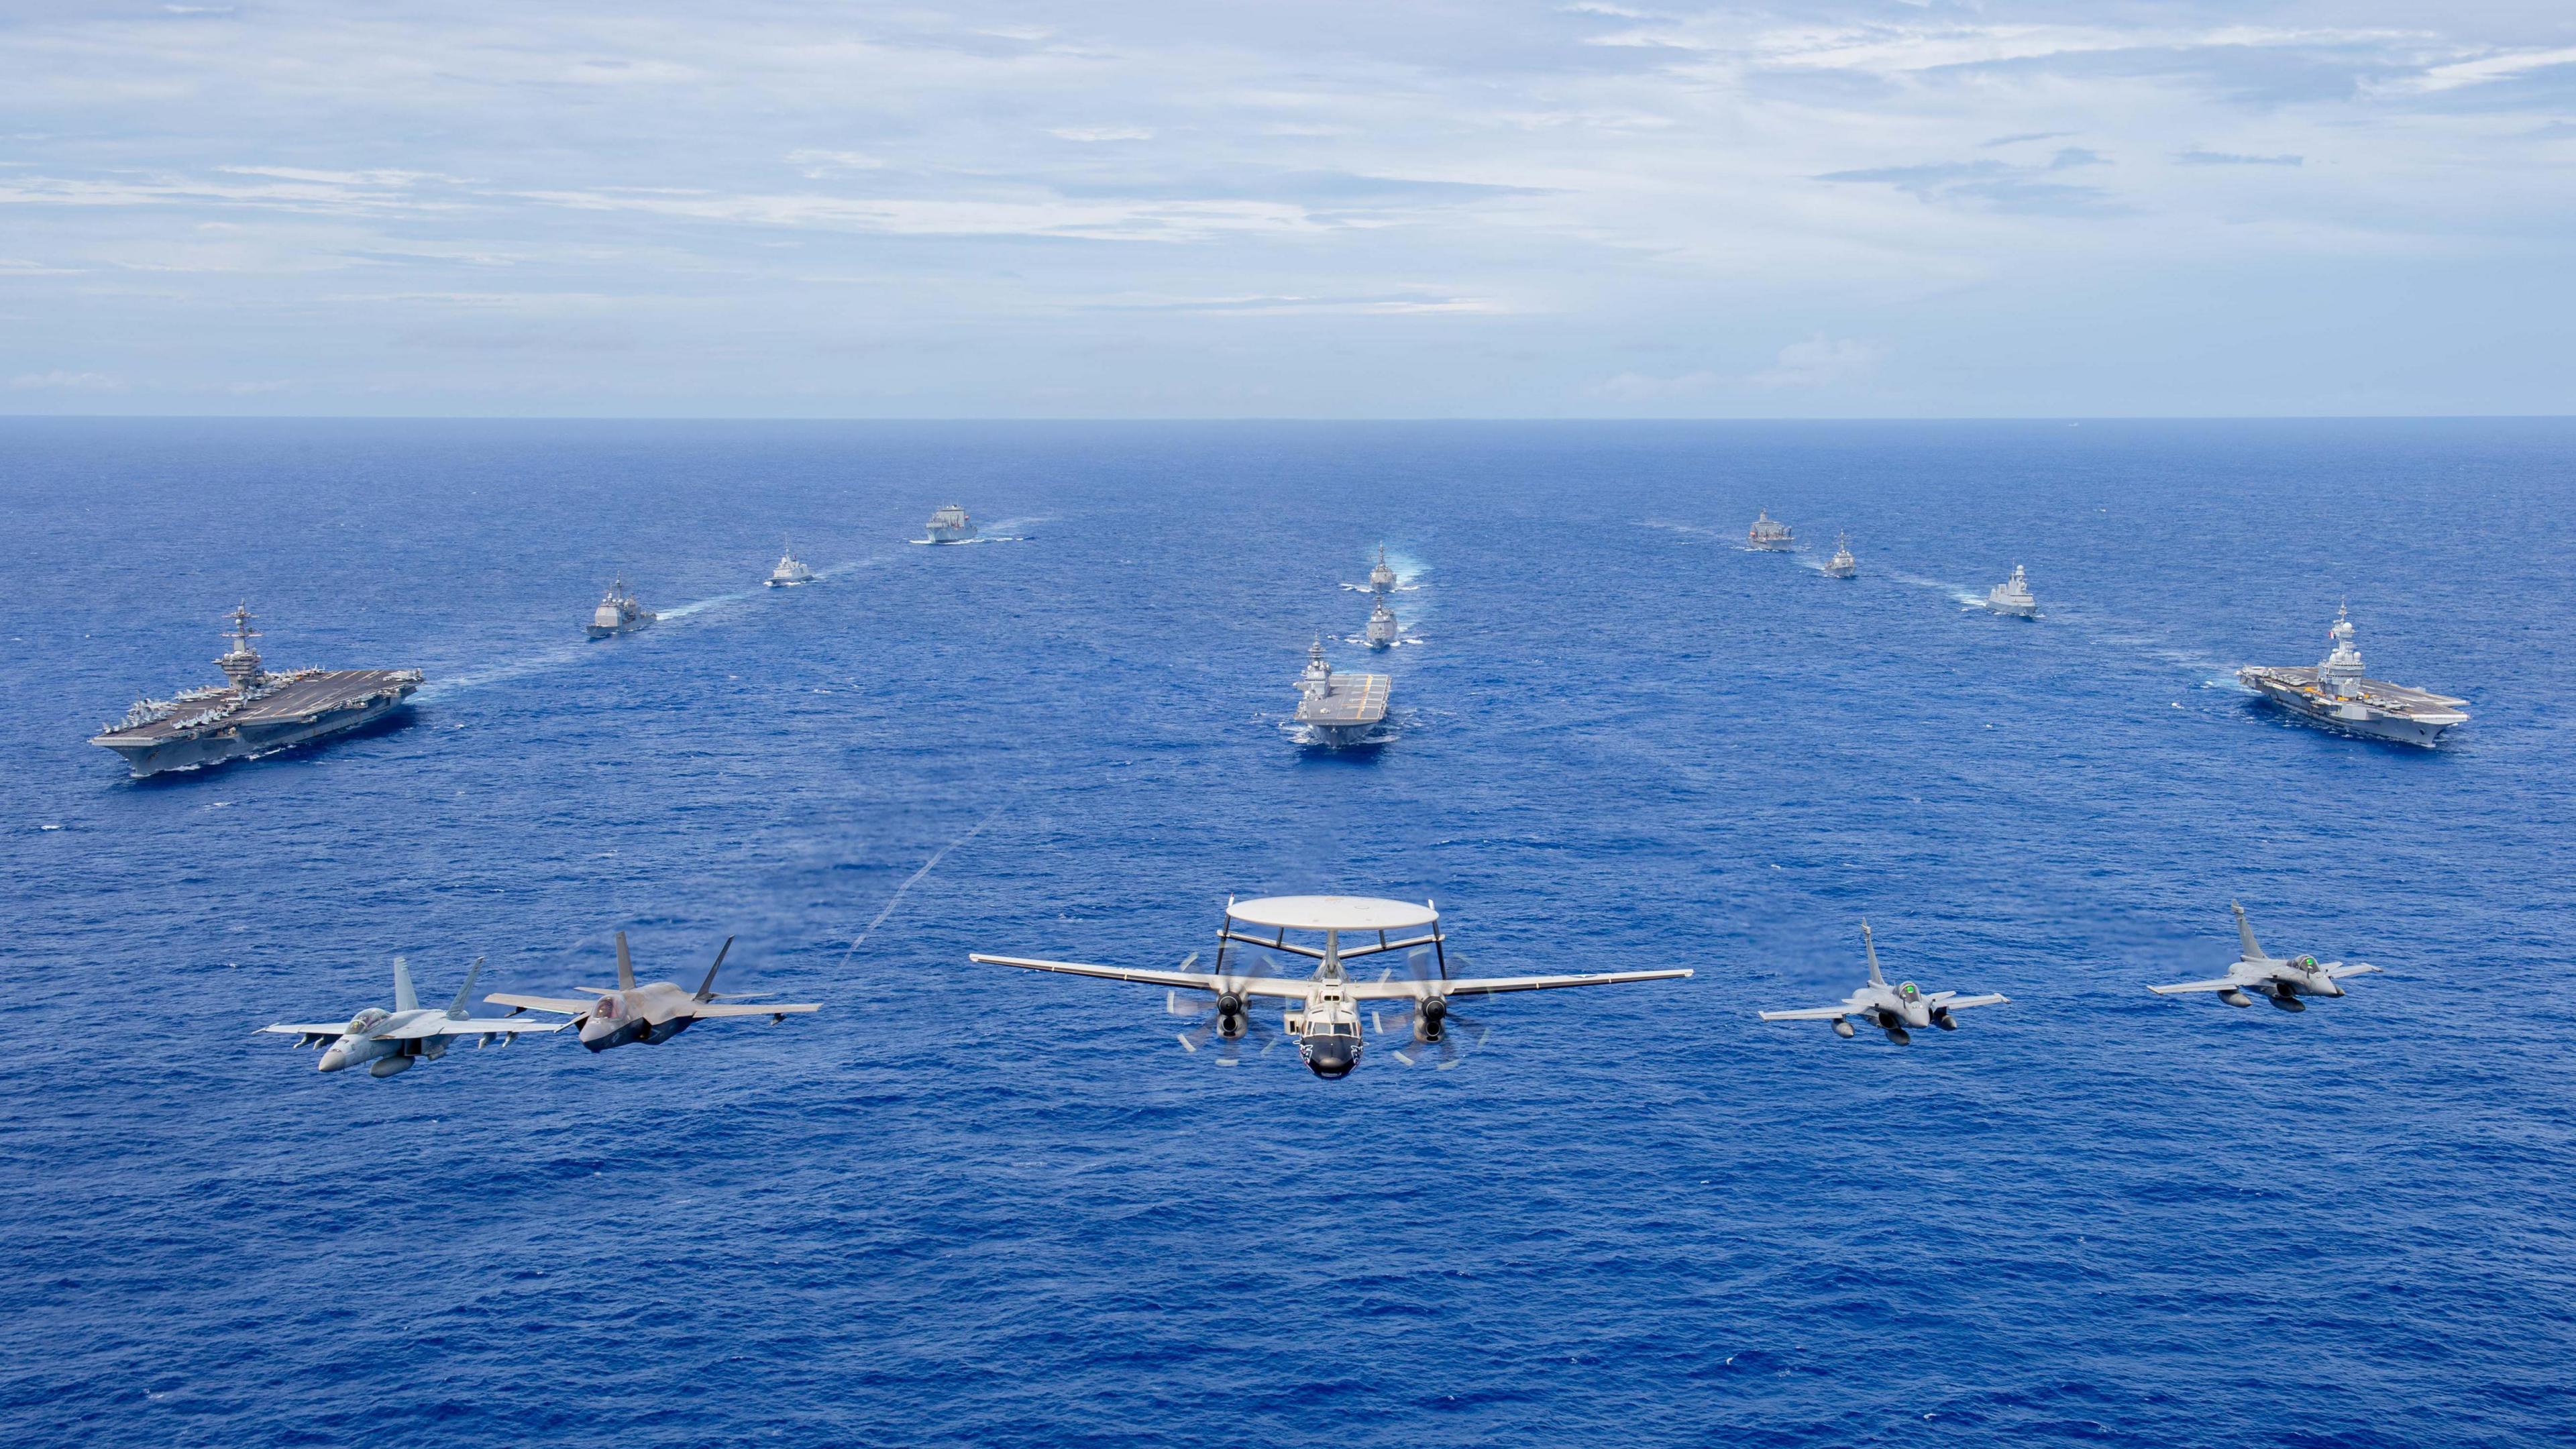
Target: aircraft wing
[(1298, 987), (337, 1028), (1813, 1013), (2222, 983), (752, 1008), (543, 1003), (1951, 1000), (444, 1025), (1415, 990)]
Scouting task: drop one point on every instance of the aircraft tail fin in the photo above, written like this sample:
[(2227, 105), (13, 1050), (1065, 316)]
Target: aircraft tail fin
[(625, 965), (2245, 934), (465, 993), (405, 999), (1871, 946), (707, 988)]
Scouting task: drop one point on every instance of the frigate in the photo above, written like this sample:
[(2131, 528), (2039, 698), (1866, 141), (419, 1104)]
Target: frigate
[(619, 613), (2013, 597), (1769, 534), (253, 714), (1842, 565), (1339, 709), (1383, 631), (951, 525), (2335, 695), (791, 570)]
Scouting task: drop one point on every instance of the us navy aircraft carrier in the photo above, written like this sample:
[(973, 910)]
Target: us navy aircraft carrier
[(1339, 709), (256, 713), (2334, 695)]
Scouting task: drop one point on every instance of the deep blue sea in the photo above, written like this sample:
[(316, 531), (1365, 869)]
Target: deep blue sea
[(971, 1206)]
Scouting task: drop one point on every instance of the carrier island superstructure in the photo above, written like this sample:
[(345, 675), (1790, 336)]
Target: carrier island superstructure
[(1339, 709), (2335, 695), (254, 713)]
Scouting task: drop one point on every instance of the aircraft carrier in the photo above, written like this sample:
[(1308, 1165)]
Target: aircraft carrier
[(2335, 695), (1339, 709), (254, 714)]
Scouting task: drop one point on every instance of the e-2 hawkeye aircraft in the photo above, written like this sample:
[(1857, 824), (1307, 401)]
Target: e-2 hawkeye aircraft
[(652, 1013), (387, 1042), (1892, 1009), (2281, 981), (1322, 1011)]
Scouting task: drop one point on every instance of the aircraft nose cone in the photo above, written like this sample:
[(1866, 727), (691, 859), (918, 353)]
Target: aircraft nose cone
[(333, 1060), (1332, 1060)]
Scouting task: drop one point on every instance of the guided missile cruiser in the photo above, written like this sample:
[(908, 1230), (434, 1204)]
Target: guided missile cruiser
[(951, 525), (2334, 695), (253, 714), (1339, 709), (1382, 578), (1383, 631), (619, 613)]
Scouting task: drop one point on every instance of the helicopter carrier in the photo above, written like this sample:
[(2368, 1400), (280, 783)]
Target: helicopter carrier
[(1339, 709), (255, 713), (2335, 695)]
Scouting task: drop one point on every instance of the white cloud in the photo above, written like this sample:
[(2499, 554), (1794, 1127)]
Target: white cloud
[(2483, 69), (1102, 133), (1821, 361), (1638, 387), (68, 381)]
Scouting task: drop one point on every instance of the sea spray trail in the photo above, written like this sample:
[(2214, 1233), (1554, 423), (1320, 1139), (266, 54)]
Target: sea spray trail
[(915, 878)]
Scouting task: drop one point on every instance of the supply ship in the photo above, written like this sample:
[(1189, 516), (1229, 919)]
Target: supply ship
[(951, 525), (254, 714), (2335, 695), (1339, 709), (1769, 534)]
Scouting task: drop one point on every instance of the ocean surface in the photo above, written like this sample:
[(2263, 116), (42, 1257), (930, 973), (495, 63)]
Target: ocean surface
[(973, 1206)]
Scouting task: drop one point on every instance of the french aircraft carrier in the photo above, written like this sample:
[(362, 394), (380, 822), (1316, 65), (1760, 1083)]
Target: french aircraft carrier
[(256, 713), (1339, 709), (2335, 695)]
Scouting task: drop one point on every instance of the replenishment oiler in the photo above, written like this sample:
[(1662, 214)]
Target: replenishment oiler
[(2335, 695), (256, 713)]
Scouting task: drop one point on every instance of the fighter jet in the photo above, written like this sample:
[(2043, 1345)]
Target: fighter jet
[(2282, 982), (655, 1012), (391, 1041), (1322, 1012), (1891, 1009)]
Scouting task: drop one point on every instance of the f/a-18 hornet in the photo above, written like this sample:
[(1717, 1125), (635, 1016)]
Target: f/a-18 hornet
[(654, 1012), (1323, 1012), (386, 1042), (1898, 1010), (2282, 982)]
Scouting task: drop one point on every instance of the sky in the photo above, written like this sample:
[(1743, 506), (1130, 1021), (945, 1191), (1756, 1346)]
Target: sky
[(1316, 208)]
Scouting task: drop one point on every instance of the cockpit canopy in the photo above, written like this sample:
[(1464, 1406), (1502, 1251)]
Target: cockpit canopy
[(1908, 990), (359, 1024), (608, 1009)]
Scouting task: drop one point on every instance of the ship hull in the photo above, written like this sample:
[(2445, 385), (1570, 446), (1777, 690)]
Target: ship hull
[(1842, 571), (243, 741), (2013, 611), (2346, 717), (1775, 545), (951, 535), (598, 631)]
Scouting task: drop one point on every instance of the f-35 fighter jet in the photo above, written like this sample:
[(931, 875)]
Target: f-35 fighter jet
[(2280, 981), (1892, 1009), (654, 1012), (387, 1042)]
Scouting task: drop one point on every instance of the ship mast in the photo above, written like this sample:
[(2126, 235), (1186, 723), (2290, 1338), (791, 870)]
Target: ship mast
[(241, 663)]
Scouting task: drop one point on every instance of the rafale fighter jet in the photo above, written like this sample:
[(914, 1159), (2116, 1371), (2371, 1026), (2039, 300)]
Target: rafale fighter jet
[(1892, 1009), (654, 1012), (2282, 982), (391, 1041), (1323, 1011)]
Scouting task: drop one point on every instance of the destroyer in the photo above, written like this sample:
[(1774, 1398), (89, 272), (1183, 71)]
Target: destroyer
[(1382, 578), (254, 714), (2335, 695), (1383, 631), (1769, 535), (2013, 597), (1842, 565), (951, 525), (791, 570), (1339, 709), (619, 613)]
